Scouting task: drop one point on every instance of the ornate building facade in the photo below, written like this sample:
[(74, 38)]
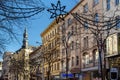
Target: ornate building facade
[(87, 39), (51, 51), (37, 64)]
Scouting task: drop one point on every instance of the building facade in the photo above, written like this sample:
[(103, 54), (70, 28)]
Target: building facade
[(36, 64), (92, 15), (70, 47), (5, 65), (112, 9), (51, 51), (0, 69)]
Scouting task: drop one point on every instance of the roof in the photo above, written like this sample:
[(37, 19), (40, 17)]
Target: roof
[(37, 49), (49, 26)]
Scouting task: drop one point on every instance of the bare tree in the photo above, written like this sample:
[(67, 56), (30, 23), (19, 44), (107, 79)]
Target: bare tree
[(100, 26), (49, 59), (16, 67), (33, 65), (12, 14), (96, 23)]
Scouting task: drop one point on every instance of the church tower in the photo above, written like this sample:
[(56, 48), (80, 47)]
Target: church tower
[(25, 39), (26, 55)]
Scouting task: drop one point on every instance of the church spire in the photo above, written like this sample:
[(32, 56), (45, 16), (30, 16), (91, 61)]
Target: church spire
[(25, 39)]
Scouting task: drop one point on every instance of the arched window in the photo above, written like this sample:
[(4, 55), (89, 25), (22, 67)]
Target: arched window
[(95, 55), (85, 59)]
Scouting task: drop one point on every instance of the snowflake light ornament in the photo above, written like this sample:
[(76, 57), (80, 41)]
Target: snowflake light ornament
[(58, 12)]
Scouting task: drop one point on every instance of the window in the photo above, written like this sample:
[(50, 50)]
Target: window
[(118, 22), (77, 44), (86, 25), (77, 60), (86, 8), (72, 29), (69, 21), (76, 29), (68, 64), (96, 56), (116, 2), (95, 2), (72, 45), (85, 42), (108, 24), (96, 18), (57, 66), (85, 59), (63, 28), (63, 52), (108, 4), (72, 61), (63, 39)]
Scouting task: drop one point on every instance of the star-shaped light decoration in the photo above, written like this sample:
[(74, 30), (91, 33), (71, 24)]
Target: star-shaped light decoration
[(58, 12)]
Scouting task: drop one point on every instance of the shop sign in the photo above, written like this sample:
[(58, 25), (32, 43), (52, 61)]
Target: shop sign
[(70, 75), (114, 74)]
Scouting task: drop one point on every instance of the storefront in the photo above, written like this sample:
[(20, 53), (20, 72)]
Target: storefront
[(114, 62), (70, 76), (90, 73)]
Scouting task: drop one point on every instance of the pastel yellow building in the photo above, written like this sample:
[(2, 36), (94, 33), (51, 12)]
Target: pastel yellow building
[(51, 51)]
